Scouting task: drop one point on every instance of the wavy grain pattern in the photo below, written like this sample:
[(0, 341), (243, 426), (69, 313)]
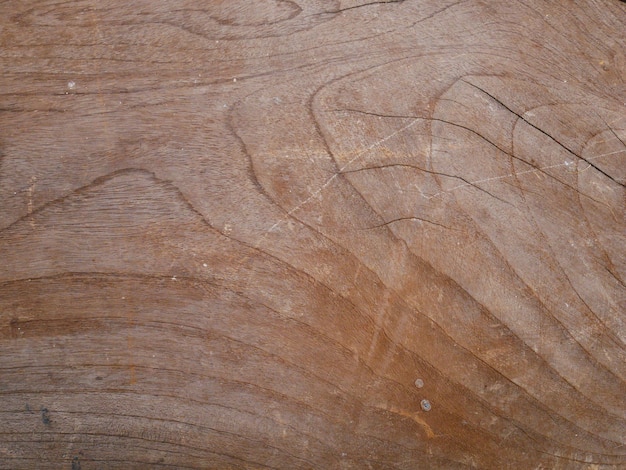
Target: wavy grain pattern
[(259, 234)]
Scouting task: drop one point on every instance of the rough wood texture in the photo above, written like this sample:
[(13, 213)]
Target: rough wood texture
[(234, 233)]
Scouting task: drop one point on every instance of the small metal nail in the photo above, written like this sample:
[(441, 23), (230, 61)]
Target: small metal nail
[(425, 404)]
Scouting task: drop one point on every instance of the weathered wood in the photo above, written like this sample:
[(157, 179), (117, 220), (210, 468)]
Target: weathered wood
[(234, 234)]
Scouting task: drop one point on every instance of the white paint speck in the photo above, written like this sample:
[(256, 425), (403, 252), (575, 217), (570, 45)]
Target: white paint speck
[(205, 265), (71, 84)]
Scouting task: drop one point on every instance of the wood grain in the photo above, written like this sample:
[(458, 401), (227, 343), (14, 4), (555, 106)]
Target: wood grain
[(234, 234)]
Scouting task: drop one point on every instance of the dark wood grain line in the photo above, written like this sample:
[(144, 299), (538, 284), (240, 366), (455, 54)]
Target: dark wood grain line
[(468, 391), (560, 144)]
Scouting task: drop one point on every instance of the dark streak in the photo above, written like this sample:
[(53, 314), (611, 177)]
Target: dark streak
[(354, 7), (201, 403), (45, 416), (386, 336), (469, 391), (560, 144), (80, 276), (409, 218), (613, 132), (611, 335), (513, 156), (101, 180), (435, 13), (482, 306), (615, 276), (432, 172), (107, 463), (195, 11), (482, 137)]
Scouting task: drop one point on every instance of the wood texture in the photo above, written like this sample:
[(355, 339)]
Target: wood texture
[(234, 234)]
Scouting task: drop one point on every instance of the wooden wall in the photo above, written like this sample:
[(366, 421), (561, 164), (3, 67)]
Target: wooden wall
[(328, 234)]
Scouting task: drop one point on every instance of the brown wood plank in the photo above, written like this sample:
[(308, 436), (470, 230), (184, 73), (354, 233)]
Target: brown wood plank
[(261, 234)]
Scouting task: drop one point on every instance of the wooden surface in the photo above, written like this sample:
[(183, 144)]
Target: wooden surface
[(233, 234)]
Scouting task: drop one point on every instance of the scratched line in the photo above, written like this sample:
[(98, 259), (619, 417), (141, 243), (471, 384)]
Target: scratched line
[(567, 163), (330, 180), (392, 135)]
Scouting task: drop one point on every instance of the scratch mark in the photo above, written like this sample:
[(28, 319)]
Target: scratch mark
[(130, 318), (466, 183), (341, 170), (30, 192), (496, 178), (332, 178), (356, 275), (553, 139), (415, 417)]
